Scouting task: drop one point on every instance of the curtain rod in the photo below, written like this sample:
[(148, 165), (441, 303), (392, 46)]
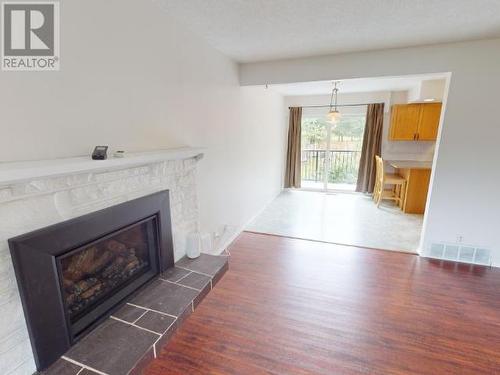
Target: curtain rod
[(338, 105)]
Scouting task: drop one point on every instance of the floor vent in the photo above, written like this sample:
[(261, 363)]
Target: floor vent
[(459, 253)]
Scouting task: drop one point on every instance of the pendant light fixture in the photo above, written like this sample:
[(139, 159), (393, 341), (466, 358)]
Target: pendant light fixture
[(334, 114)]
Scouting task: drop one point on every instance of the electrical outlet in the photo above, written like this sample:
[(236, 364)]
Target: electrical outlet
[(460, 239)]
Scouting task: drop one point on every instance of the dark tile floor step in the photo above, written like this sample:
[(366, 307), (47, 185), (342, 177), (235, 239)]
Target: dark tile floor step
[(130, 338)]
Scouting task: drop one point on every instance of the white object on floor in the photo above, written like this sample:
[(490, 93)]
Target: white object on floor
[(206, 243), (343, 218), (193, 245)]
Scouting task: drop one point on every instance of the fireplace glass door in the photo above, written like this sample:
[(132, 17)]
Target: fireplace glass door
[(96, 276)]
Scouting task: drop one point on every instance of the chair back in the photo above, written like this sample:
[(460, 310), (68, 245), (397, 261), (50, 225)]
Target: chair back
[(379, 169)]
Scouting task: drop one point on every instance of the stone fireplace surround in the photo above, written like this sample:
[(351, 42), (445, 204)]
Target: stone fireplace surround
[(37, 194)]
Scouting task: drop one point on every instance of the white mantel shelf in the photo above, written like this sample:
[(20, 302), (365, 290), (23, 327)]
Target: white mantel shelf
[(16, 172)]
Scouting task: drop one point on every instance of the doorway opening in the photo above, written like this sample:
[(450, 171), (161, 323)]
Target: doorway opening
[(327, 207)]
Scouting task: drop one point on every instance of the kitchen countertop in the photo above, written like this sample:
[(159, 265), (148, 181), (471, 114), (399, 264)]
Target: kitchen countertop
[(410, 164)]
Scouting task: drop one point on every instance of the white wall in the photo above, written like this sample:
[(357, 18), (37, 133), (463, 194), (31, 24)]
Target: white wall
[(131, 77), (464, 197), (134, 79), (428, 89), (243, 170)]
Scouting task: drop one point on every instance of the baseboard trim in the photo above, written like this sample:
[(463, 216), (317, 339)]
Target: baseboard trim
[(227, 243)]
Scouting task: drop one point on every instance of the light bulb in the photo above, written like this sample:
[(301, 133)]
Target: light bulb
[(334, 115)]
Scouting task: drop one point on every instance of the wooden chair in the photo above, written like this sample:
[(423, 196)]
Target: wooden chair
[(382, 179)]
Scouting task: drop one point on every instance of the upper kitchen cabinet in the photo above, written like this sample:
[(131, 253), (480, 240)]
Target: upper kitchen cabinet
[(430, 113), (404, 122), (415, 122)]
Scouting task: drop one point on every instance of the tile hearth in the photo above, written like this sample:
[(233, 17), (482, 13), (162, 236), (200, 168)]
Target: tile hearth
[(133, 335)]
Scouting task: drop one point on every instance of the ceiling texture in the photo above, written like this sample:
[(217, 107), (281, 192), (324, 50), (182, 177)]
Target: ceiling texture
[(260, 30)]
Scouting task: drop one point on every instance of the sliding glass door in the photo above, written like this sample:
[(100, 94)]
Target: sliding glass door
[(314, 140), (331, 152)]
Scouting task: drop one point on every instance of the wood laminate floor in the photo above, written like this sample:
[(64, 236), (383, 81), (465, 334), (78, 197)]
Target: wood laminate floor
[(289, 306)]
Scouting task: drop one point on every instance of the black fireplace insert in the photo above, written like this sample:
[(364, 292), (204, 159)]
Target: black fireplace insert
[(74, 274)]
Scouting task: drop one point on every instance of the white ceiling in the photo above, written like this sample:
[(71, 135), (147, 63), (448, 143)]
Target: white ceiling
[(256, 30), (355, 85)]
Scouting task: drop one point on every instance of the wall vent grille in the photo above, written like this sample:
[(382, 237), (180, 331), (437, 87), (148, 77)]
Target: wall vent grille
[(459, 253)]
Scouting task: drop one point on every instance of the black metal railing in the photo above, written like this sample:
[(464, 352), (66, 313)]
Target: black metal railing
[(343, 168)]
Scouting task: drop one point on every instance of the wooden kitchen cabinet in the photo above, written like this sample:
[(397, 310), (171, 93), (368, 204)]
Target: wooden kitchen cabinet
[(404, 122), (429, 122), (415, 122)]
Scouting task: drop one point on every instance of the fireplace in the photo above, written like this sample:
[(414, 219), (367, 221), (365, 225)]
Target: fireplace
[(74, 274), (95, 276)]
